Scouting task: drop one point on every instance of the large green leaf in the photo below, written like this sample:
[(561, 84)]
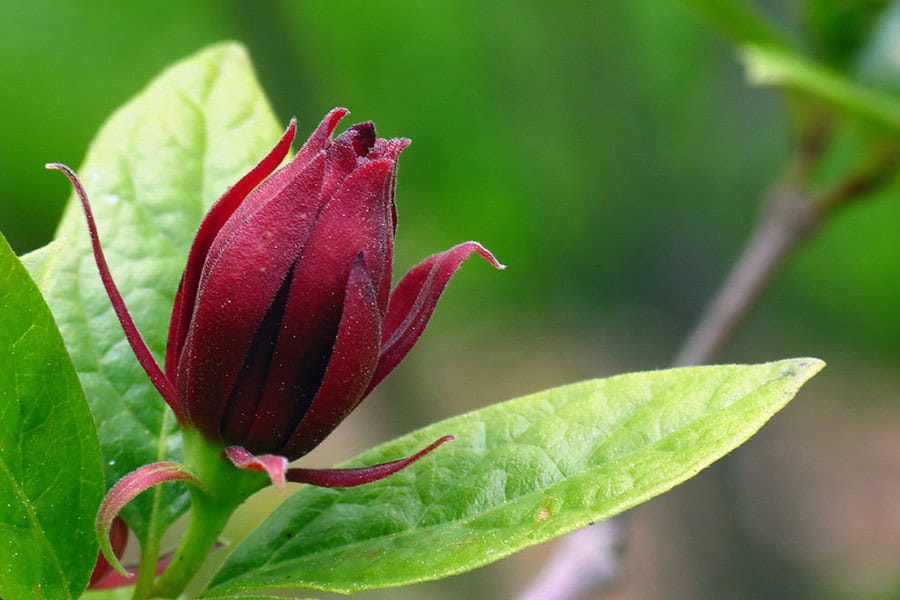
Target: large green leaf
[(520, 473), (151, 172), (51, 477)]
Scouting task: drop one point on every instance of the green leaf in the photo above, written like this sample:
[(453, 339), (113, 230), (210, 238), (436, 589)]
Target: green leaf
[(787, 69), (42, 262), (51, 477), (520, 473), (152, 171)]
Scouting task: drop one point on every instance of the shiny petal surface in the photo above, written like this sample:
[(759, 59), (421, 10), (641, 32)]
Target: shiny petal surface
[(413, 302)]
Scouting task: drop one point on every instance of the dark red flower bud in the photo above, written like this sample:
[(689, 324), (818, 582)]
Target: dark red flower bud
[(284, 319)]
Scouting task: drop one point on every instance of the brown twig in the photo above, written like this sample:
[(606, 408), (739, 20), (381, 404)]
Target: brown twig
[(787, 218)]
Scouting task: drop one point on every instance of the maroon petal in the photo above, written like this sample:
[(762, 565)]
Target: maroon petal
[(162, 384), (390, 150), (343, 156), (355, 220), (413, 302), (350, 368), (274, 466), (215, 219), (243, 402), (281, 181), (124, 492), (238, 289), (341, 478)]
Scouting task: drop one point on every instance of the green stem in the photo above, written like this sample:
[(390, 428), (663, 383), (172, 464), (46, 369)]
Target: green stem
[(208, 519), (224, 488), (146, 568)]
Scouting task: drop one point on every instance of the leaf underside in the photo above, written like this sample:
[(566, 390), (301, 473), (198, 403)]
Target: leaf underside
[(520, 473)]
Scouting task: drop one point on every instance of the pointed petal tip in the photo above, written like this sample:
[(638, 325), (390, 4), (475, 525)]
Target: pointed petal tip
[(488, 255), (344, 478), (334, 116), (65, 169)]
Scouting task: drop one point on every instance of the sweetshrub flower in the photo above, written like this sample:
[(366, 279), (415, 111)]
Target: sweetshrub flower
[(285, 319)]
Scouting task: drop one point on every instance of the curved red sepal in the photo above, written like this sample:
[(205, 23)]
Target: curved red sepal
[(141, 351), (413, 302), (125, 491), (274, 466), (341, 478)]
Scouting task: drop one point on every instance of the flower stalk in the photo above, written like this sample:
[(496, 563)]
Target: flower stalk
[(225, 487)]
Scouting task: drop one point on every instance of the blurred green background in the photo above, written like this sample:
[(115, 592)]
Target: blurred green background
[(612, 154)]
